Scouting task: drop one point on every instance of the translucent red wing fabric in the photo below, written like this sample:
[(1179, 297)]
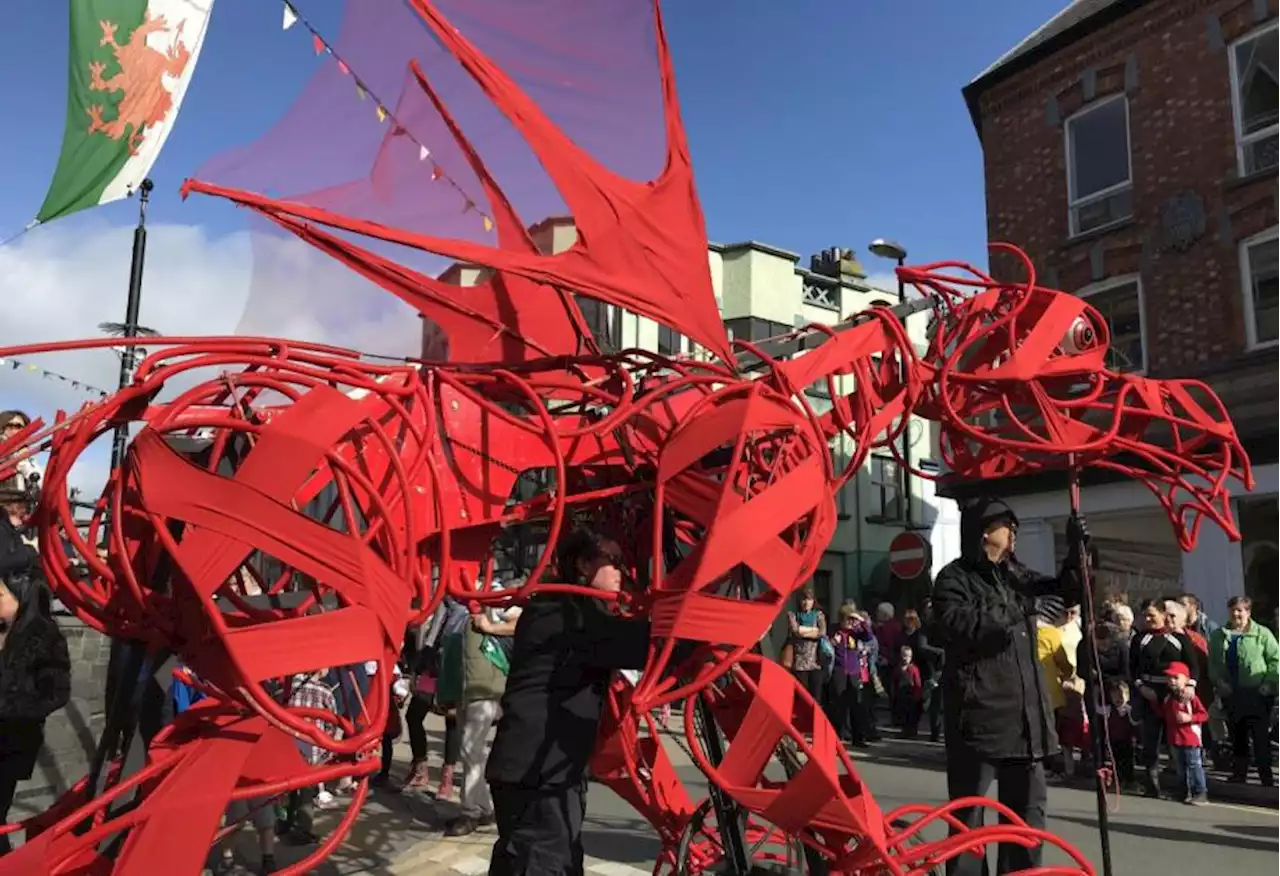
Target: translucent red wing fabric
[(442, 131)]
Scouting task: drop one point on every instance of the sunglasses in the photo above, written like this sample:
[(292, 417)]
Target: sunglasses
[(15, 424)]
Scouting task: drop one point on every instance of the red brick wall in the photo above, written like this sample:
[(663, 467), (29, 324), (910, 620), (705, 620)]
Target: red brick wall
[(1182, 139)]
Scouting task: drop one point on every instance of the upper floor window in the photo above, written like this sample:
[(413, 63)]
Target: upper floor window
[(1253, 98), (670, 341), (1258, 271), (1120, 303), (605, 322), (1099, 173)]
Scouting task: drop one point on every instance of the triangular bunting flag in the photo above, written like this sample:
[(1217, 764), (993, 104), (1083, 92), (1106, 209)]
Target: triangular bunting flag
[(423, 153), (382, 113), (488, 223), (435, 172), (343, 68), (318, 43), (290, 17), (360, 92)]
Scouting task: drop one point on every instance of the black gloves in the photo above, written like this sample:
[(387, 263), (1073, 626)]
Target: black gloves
[(1052, 609)]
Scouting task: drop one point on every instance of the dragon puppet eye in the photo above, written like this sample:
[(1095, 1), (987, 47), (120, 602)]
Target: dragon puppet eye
[(1080, 336)]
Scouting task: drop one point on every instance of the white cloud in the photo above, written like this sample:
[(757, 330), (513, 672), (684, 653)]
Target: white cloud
[(59, 282), (885, 281)]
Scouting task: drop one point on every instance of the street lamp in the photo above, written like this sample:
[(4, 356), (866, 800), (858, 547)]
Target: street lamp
[(891, 249)]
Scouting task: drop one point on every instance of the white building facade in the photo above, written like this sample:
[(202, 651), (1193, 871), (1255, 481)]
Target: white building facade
[(763, 292)]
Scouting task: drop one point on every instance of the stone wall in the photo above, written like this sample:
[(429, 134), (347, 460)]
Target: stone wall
[(71, 735)]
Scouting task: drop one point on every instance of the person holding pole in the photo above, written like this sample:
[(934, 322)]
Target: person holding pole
[(999, 726)]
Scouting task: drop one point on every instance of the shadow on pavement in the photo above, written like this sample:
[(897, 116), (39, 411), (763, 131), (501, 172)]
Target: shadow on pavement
[(1171, 834), (625, 840)]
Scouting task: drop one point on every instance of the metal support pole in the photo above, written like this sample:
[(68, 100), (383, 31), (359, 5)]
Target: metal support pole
[(1101, 750), (127, 657), (132, 306), (906, 429)]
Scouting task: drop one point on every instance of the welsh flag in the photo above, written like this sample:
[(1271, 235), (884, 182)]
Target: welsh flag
[(131, 61)]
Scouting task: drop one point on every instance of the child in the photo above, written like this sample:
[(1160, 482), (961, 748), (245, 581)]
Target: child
[(1184, 714), (1121, 730), (908, 693), (399, 696)]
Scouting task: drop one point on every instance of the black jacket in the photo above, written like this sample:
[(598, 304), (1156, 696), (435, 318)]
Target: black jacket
[(1113, 660), (984, 619), (1151, 653), (565, 650), (35, 681), (16, 556), (924, 654)]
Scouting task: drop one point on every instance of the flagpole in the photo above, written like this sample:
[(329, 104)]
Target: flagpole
[(132, 306), (126, 663)]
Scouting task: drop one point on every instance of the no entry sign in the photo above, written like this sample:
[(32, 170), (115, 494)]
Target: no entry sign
[(908, 555)]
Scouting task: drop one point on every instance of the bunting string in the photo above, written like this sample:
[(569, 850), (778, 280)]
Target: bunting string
[(322, 47), (32, 368)]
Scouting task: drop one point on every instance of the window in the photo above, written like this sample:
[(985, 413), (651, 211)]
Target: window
[(1253, 99), (752, 328), (604, 321), (1099, 178), (670, 341), (886, 480), (1120, 303), (1258, 270)]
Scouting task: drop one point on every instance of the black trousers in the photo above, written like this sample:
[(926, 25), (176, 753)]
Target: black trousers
[(1251, 731), (415, 717), (539, 831), (935, 713), (811, 680), (8, 785), (848, 708), (1020, 786)]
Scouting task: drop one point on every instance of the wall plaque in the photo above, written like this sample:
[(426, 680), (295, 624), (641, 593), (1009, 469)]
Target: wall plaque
[(1182, 222)]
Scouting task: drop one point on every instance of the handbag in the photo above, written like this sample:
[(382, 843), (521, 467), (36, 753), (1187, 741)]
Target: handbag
[(787, 657)]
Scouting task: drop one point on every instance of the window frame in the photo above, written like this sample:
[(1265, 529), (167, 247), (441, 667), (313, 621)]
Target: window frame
[(884, 489), (1236, 120), (1074, 205), (1112, 283), (1246, 288)]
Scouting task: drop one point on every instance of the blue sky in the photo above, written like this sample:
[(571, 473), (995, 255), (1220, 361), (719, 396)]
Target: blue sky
[(812, 123)]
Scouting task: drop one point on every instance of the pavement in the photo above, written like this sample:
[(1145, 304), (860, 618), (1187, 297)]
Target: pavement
[(400, 835)]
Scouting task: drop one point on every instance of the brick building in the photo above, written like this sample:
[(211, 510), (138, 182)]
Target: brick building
[(1130, 147)]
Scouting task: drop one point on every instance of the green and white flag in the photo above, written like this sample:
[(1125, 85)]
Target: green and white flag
[(131, 62)]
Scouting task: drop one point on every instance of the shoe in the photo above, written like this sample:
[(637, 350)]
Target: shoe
[(488, 819), (463, 826), (445, 791), (1151, 785), (328, 802), (299, 837), (1198, 800), (380, 780), (418, 778), (268, 865), (1267, 778)]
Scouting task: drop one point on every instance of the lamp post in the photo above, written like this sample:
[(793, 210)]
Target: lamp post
[(890, 249)]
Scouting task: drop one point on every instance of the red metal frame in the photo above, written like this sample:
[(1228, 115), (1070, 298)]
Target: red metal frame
[(380, 488)]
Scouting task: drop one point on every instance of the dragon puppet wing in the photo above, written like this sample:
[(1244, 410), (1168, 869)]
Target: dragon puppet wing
[(571, 105)]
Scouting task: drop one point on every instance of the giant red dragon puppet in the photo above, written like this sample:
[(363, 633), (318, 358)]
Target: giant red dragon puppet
[(379, 488)]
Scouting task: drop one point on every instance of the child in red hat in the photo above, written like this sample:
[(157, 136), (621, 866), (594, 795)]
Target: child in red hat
[(1183, 716)]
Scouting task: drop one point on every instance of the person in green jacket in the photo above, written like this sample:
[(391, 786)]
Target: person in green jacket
[(1244, 660)]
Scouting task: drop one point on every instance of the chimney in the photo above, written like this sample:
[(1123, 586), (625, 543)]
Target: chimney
[(838, 264)]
